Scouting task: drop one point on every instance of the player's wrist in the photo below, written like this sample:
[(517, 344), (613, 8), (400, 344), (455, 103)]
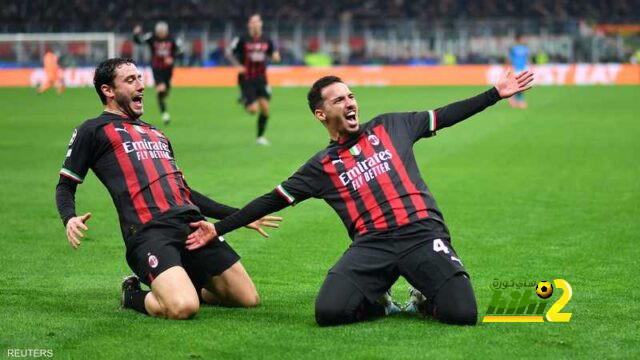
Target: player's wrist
[(494, 93), (66, 219)]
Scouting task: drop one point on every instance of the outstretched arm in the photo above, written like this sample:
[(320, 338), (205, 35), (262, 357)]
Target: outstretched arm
[(508, 85), (211, 208), (255, 211), (303, 184)]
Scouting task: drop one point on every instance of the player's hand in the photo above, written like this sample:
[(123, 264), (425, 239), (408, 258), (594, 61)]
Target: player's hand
[(203, 234), (268, 221), (510, 84), (74, 225), (137, 29), (276, 57), (168, 60), (240, 69)]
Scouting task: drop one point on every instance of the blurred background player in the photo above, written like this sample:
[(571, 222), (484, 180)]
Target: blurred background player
[(519, 59), (164, 49), (52, 73), (249, 53)]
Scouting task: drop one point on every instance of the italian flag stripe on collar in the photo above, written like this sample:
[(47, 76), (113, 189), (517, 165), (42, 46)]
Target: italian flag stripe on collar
[(432, 121), (70, 174), (285, 194)]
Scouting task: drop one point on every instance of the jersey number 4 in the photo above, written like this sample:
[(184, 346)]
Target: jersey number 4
[(439, 246)]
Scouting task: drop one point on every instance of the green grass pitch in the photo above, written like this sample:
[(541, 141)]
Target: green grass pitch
[(546, 193)]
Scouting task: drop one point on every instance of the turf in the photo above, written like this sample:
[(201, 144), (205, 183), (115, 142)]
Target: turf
[(547, 193)]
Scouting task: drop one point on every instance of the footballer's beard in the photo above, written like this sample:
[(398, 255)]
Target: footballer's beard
[(124, 103), (350, 123), (346, 131)]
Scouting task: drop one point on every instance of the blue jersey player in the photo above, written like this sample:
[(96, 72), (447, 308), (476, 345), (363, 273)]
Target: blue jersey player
[(519, 59)]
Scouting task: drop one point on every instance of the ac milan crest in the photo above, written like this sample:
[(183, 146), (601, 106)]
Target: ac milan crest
[(153, 261), (374, 140)]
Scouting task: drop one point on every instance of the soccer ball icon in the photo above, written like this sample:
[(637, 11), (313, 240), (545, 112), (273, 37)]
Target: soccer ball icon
[(544, 289)]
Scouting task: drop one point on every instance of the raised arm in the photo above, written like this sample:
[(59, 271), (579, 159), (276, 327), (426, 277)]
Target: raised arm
[(508, 85), (139, 37)]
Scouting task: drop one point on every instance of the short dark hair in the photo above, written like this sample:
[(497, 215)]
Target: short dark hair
[(314, 96), (106, 72)]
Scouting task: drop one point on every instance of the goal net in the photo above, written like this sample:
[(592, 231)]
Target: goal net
[(77, 53), (72, 49)]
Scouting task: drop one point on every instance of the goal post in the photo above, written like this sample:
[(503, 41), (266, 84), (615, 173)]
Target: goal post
[(74, 49)]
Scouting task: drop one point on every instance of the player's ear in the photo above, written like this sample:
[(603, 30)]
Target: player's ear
[(320, 115), (107, 90)]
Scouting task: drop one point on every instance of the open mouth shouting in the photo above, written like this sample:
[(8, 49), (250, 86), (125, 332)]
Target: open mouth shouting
[(137, 102), (352, 119)]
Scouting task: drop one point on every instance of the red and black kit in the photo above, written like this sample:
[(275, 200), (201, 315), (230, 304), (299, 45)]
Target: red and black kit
[(371, 180), (161, 50), (135, 162), (253, 54)]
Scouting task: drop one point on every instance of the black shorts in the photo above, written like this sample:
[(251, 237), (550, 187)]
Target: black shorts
[(374, 265), (253, 89), (162, 76), (160, 245)]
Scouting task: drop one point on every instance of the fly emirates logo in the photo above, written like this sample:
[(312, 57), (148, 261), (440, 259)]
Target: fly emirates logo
[(367, 169), (148, 149)]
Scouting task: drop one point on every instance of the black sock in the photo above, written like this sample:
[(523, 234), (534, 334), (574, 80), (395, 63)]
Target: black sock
[(134, 299), (262, 123), (163, 105)]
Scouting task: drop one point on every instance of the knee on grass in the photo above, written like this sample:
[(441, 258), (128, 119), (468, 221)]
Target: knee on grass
[(330, 313), (248, 300), (327, 315), (455, 303), (181, 308), (458, 316)]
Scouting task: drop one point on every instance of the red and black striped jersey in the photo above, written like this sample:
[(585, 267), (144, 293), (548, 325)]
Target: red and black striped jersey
[(371, 180), (135, 162), (161, 49), (253, 54)]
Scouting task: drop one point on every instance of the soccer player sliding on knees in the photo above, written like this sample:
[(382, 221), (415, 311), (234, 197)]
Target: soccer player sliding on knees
[(368, 174), (136, 163)]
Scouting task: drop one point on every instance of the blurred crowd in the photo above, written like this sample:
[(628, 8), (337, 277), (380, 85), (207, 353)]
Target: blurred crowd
[(121, 15), (320, 33)]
